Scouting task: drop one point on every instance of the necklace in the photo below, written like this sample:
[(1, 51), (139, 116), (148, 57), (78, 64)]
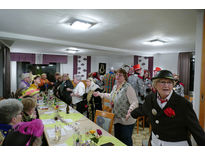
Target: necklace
[(116, 91)]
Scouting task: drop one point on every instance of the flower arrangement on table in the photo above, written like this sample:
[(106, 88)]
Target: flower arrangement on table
[(95, 136)]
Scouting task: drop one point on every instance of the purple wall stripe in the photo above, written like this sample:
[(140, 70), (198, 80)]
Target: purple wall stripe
[(55, 59), (136, 60), (75, 65), (88, 65), (150, 65), (23, 57)]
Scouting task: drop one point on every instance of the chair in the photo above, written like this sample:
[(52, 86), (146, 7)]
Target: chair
[(104, 120), (141, 118), (107, 109)]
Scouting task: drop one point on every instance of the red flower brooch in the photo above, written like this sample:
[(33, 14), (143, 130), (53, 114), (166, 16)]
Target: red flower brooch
[(169, 112)]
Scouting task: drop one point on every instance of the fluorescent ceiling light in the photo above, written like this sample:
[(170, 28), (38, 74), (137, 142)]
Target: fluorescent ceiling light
[(155, 42), (81, 25), (72, 50), (78, 23)]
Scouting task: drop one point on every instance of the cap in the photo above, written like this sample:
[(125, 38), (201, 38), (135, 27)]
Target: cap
[(137, 67)]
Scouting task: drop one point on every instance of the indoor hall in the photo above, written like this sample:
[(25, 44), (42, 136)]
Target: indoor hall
[(46, 41)]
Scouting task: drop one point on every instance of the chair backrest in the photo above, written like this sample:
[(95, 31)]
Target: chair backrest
[(104, 120), (107, 109), (106, 102)]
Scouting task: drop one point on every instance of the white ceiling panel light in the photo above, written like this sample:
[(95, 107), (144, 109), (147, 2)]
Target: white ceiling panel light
[(79, 24), (155, 42), (72, 50)]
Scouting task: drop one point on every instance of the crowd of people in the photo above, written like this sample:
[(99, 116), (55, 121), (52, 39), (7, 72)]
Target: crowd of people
[(132, 94)]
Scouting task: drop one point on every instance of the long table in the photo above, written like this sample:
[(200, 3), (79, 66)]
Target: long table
[(74, 119)]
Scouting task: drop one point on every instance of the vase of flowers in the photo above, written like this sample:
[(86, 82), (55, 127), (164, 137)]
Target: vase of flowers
[(95, 135)]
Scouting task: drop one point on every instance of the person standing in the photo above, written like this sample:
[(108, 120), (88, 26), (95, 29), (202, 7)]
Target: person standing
[(44, 82), (77, 92), (92, 103), (178, 86), (136, 80), (109, 80), (125, 101), (65, 89), (172, 117)]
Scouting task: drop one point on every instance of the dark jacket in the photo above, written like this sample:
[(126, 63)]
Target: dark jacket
[(172, 129), (15, 138), (64, 94)]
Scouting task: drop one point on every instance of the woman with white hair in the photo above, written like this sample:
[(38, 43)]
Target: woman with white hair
[(91, 103), (77, 92), (25, 82), (10, 115)]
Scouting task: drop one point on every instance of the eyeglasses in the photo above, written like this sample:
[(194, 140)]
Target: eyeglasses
[(118, 74), (164, 83)]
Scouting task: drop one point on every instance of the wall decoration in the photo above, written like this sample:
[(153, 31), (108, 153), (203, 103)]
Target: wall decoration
[(102, 68)]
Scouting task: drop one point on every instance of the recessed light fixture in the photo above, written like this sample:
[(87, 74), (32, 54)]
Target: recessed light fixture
[(155, 42), (79, 23), (72, 50)]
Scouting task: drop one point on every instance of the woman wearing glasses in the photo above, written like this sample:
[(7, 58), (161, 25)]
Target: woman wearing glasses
[(10, 115), (124, 99), (172, 117)]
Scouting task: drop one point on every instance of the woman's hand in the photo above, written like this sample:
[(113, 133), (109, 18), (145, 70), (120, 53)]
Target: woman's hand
[(128, 114), (68, 89)]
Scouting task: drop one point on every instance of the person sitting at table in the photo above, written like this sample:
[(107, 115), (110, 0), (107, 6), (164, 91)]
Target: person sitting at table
[(124, 98), (25, 82), (25, 134), (44, 82), (65, 89), (10, 115), (77, 92), (29, 113), (172, 117), (35, 82), (91, 103)]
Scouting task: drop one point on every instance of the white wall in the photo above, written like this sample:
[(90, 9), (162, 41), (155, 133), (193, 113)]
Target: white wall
[(198, 53), (13, 68), (67, 68), (166, 61), (111, 61)]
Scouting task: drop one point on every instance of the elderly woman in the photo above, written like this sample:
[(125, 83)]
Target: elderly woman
[(92, 103), (125, 101), (77, 92), (65, 89), (25, 82), (29, 105), (10, 114), (25, 134), (172, 117)]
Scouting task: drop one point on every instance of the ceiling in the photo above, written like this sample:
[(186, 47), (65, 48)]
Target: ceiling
[(118, 32)]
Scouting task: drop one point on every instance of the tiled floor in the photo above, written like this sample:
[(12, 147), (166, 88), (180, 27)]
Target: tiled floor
[(139, 139)]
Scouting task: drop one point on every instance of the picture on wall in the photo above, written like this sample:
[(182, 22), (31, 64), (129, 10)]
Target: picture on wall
[(102, 68)]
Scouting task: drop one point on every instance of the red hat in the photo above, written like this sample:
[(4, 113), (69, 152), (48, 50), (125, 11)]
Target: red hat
[(157, 69), (137, 67)]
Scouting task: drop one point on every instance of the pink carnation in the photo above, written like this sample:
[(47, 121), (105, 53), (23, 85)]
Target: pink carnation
[(99, 132)]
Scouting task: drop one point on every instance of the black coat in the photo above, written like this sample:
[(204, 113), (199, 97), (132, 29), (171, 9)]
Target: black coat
[(64, 94), (172, 129)]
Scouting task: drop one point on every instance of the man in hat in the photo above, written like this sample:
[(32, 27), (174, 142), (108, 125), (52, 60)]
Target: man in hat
[(171, 116), (156, 70), (25, 82), (136, 80), (178, 86)]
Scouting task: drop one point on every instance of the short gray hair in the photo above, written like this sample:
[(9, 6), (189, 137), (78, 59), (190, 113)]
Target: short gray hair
[(9, 108), (77, 77)]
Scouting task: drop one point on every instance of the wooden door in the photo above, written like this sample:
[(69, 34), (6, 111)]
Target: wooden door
[(202, 91)]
